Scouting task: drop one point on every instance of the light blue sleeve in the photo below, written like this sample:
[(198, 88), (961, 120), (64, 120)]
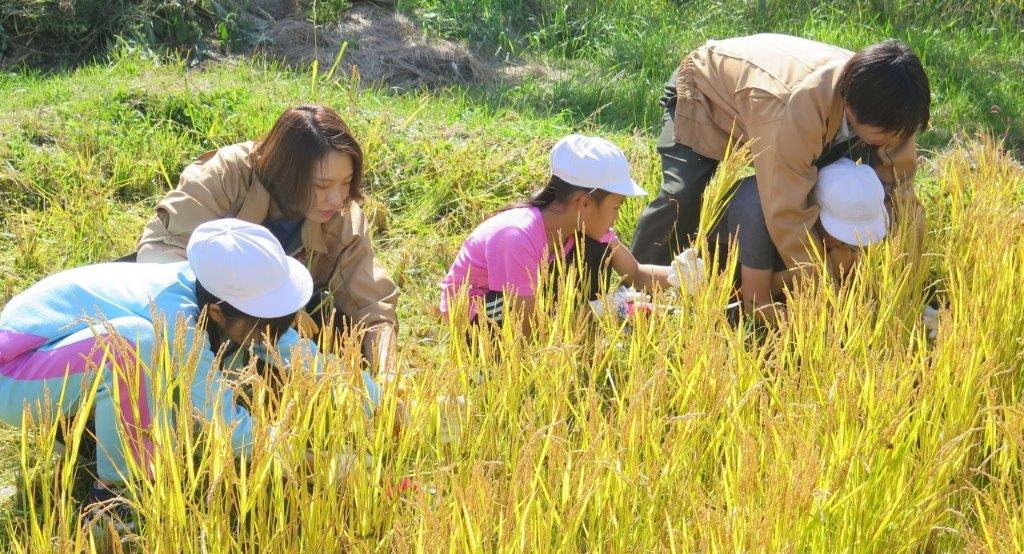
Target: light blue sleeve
[(213, 396), (373, 394), (290, 346)]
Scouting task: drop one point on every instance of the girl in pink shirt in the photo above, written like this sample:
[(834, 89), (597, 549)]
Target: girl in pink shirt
[(500, 262)]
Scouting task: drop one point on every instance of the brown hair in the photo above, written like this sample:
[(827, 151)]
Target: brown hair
[(885, 86), (283, 160)]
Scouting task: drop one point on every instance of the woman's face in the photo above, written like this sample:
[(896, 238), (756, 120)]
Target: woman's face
[(598, 217), (332, 179)]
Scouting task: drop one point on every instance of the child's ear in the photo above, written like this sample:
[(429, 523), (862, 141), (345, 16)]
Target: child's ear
[(584, 200), (215, 314)]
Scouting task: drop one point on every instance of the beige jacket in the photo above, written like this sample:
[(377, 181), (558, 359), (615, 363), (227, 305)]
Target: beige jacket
[(778, 94), (338, 253)]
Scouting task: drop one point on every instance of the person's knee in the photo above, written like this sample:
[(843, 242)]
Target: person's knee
[(684, 175), (667, 138)]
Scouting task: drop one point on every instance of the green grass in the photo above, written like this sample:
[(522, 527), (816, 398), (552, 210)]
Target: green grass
[(846, 431), (52, 33), (617, 54)]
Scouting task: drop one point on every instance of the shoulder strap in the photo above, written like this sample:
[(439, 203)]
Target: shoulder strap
[(852, 148)]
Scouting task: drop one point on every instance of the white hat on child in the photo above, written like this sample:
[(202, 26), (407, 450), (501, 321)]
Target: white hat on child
[(593, 163), (852, 203), (244, 265)]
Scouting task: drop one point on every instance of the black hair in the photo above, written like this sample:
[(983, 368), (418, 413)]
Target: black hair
[(558, 190), (276, 325), (885, 86)]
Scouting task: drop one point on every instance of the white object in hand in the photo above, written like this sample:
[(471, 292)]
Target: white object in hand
[(687, 271), (931, 321), (618, 298)]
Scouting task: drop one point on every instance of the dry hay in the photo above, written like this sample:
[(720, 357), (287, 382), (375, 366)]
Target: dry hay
[(383, 46), (273, 9)]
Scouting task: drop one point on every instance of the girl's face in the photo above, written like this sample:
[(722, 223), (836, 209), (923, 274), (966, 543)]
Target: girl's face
[(240, 331), (332, 179), (597, 217)]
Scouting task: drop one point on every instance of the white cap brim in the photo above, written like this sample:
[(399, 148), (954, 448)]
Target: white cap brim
[(284, 300), (635, 189), (856, 234)]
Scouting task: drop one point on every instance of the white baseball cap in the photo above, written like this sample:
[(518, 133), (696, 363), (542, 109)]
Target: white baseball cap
[(593, 163), (852, 203), (244, 265)]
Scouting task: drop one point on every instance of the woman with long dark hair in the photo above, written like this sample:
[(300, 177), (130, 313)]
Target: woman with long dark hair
[(303, 182)]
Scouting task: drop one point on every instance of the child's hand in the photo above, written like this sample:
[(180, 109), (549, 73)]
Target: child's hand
[(306, 326), (687, 271)]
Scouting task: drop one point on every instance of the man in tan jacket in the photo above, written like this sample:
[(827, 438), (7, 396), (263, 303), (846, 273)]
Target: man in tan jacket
[(800, 105)]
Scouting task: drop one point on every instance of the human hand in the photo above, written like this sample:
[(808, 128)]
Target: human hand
[(687, 271), (306, 326)]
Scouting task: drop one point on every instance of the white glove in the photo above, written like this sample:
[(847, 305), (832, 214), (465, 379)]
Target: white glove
[(931, 321), (617, 300), (687, 271)]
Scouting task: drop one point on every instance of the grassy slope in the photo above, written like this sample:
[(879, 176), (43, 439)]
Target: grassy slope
[(618, 53), (86, 153)]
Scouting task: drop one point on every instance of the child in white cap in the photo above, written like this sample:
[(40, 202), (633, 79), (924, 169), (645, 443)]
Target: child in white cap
[(570, 218), (56, 335), (852, 215)]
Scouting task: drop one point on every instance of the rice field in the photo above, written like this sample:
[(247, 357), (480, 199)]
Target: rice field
[(847, 429)]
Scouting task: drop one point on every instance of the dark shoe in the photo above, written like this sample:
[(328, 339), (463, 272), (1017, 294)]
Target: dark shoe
[(109, 513)]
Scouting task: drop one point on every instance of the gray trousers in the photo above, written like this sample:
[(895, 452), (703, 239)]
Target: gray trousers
[(668, 224)]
